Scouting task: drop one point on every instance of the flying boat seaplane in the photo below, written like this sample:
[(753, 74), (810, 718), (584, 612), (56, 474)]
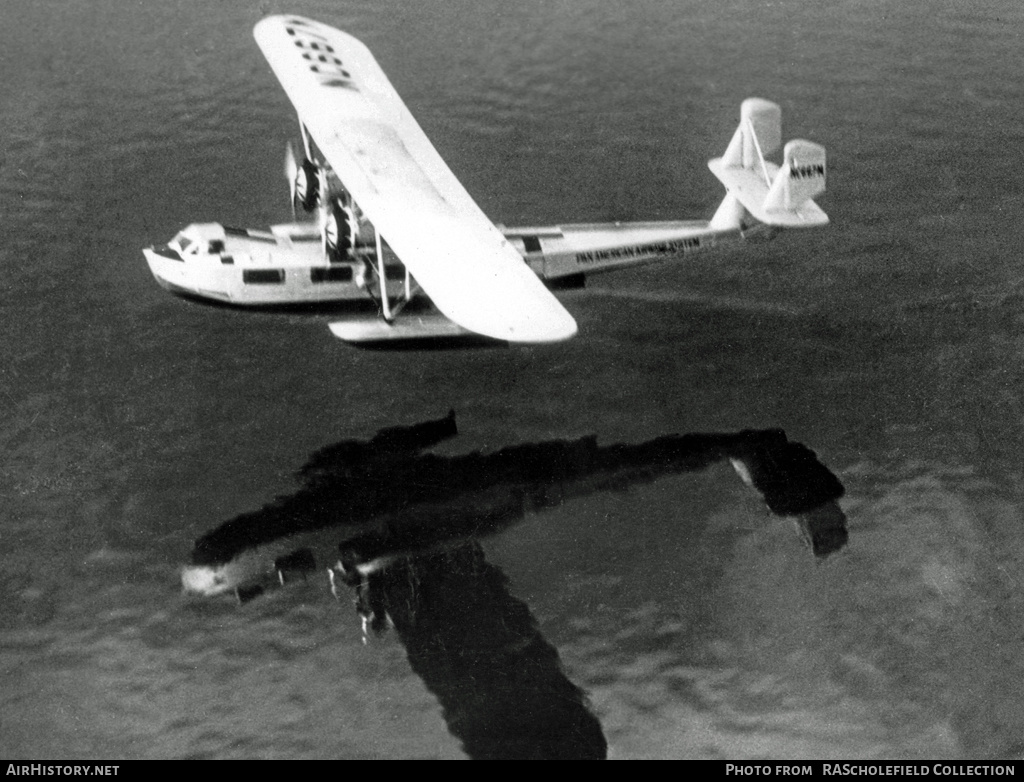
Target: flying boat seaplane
[(393, 223)]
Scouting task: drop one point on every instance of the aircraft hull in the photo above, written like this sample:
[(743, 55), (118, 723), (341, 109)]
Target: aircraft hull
[(251, 268), (287, 282), (267, 268)]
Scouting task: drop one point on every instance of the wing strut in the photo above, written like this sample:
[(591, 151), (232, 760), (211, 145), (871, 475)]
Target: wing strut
[(383, 281), (389, 309), (305, 139)]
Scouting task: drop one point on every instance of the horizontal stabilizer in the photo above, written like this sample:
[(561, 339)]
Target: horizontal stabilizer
[(773, 195)]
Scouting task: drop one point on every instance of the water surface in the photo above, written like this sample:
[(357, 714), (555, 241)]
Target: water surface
[(696, 623)]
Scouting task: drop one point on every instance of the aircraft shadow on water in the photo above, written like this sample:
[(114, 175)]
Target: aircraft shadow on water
[(401, 528)]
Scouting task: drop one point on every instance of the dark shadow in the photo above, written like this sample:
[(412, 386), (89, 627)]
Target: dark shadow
[(456, 342), (401, 528), (478, 649), (571, 282), (419, 500)]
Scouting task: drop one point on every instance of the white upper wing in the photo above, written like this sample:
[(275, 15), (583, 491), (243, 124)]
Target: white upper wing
[(381, 155)]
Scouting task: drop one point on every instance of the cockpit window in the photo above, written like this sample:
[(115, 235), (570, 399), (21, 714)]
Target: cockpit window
[(183, 241)]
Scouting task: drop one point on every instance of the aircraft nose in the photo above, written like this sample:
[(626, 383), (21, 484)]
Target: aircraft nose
[(203, 580)]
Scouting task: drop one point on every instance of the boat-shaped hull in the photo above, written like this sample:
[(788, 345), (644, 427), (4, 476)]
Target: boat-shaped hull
[(286, 265)]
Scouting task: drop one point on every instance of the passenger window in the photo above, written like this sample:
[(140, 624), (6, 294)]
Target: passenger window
[(531, 244)]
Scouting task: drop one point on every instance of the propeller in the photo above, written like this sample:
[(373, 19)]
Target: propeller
[(305, 179), (291, 170), (337, 228)]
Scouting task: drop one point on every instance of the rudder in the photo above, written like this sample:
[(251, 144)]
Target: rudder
[(759, 133), (801, 177)]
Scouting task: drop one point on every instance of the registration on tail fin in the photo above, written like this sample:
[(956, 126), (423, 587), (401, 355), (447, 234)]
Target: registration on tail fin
[(773, 195)]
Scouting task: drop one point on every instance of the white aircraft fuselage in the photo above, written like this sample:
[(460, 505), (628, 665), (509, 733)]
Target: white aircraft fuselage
[(287, 265)]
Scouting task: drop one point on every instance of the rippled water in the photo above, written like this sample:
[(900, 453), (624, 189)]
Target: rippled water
[(697, 623)]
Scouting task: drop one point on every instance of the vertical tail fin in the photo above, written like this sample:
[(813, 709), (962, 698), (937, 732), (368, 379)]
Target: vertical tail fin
[(759, 134), (801, 177), (773, 195)]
